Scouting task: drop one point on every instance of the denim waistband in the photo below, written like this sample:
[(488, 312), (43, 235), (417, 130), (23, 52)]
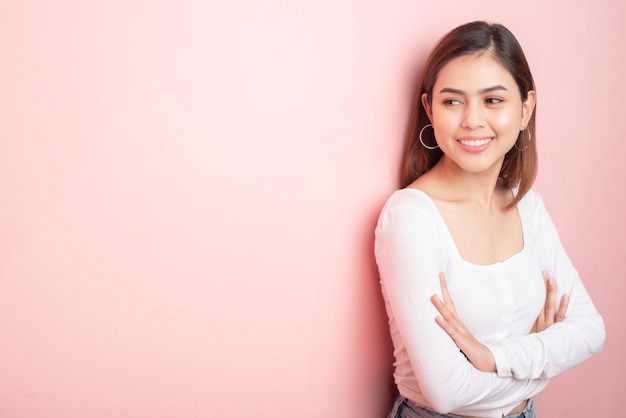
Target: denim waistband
[(410, 409)]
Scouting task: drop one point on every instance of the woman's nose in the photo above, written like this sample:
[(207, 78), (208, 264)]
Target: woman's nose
[(473, 116)]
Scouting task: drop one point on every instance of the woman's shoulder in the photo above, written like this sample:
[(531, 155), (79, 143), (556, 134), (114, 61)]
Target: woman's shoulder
[(408, 212), (530, 200), (409, 206), (411, 197), (532, 211)]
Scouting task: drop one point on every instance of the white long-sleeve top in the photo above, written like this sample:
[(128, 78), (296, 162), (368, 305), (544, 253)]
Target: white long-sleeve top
[(498, 303)]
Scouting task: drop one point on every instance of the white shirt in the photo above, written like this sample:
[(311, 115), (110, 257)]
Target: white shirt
[(498, 303)]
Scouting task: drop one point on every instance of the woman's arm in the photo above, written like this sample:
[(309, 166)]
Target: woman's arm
[(564, 344)]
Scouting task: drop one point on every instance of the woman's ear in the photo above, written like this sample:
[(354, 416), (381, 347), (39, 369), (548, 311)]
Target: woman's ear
[(427, 106), (528, 106)]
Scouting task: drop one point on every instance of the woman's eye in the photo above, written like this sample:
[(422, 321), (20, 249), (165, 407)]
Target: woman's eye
[(493, 100), (451, 102)]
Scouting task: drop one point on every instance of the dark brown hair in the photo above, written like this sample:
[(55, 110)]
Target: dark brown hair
[(520, 167)]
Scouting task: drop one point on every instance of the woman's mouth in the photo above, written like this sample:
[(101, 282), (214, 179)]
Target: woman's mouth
[(475, 144)]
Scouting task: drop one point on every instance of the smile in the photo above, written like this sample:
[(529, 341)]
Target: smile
[(475, 142)]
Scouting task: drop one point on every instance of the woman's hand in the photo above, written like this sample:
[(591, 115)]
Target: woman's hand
[(478, 354), (548, 316)]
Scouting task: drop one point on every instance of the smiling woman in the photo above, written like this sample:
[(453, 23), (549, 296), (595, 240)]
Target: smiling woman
[(484, 304), (477, 113)]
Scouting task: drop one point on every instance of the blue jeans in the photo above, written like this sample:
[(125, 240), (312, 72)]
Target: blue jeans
[(406, 408)]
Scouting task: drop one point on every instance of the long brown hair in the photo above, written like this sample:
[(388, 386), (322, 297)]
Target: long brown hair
[(520, 163)]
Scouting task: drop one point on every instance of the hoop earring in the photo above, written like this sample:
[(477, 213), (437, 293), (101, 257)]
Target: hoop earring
[(526, 147), (422, 141)]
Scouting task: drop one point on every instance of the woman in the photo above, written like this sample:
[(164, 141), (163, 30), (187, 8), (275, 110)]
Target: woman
[(470, 262)]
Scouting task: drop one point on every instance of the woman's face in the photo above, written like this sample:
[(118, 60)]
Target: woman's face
[(477, 112)]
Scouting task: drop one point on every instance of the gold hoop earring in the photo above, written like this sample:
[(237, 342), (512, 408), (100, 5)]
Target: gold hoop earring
[(526, 147), (422, 141)]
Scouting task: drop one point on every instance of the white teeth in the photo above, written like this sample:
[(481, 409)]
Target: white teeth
[(475, 142)]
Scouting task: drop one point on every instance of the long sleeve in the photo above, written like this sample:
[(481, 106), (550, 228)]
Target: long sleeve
[(410, 254), (564, 344)]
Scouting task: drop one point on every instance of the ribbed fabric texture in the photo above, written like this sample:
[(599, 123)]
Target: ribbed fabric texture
[(498, 303)]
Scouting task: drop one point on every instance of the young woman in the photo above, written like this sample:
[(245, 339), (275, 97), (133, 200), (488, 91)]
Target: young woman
[(484, 305)]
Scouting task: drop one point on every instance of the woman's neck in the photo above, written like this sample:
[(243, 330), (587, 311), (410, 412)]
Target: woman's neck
[(459, 185)]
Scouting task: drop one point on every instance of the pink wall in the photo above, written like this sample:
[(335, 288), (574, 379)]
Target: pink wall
[(190, 190)]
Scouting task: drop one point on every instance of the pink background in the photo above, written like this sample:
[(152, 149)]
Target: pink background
[(189, 191)]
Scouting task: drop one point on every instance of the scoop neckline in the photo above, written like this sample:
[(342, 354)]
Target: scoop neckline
[(456, 252)]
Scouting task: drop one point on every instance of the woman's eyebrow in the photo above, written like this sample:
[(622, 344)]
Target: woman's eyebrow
[(461, 92)]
